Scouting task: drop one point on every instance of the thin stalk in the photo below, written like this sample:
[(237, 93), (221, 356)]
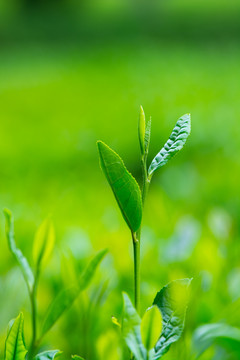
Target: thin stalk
[(136, 253), (33, 299)]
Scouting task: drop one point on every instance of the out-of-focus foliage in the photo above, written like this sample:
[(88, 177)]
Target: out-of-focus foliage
[(77, 72)]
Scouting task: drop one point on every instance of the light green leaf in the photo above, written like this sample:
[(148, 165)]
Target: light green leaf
[(22, 261), (62, 302), (15, 347), (43, 242), (90, 269), (151, 327), (77, 357), (218, 333), (172, 301), (48, 355), (131, 329), (147, 136), (66, 297), (175, 143), (123, 184), (141, 130)]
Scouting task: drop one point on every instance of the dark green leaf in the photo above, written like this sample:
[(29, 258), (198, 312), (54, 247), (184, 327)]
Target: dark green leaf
[(175, 143), (123, 184), (207, 335), (48, 355), (15, 347), (172, 301), (131, 329), (22, 261)]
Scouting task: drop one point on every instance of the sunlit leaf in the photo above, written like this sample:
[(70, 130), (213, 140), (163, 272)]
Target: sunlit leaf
[(218, 333), (147, 136), (131, 329), (22, 261), (141, 130), (62, 302), (123, 184), (15, 347), (151, 327), (48, 355), (77, 357), (43, 242), (90, 269), (175, 143), (172, 301)]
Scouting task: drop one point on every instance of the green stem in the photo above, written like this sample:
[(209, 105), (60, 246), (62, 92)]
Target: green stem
[(33, 299), (136, 252)]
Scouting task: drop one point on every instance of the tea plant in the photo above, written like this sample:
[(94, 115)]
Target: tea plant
[(42, 248), (163, 323)]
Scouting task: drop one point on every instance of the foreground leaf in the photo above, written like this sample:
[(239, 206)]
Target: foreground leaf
[(48, 355), (14, 347), (224, 334), (22, 261), (123, 184), (90, 270), (131, 329), (43, 242), (77, 357), (172, 301), (151, 327), (174, 144)]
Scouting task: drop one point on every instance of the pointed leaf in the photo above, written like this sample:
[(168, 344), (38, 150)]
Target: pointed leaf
[(151, 327), (147, 135), (141, 130), (206, 335), (131, 330), (48, 355), (15, 347), (90, 270), (175, 143), (172, 301), (22, 261), (123, 184), (77, 357), (43, 242), (61, 303)]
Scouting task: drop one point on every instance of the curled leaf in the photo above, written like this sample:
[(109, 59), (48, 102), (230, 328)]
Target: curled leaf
[(141, 130), (151, 327)]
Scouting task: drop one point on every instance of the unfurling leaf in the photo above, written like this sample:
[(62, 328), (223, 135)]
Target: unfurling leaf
[(147, 136), (22, 261), (43, 242), (172, 301), (141, 130), (131, 329), (15, 347), (123, 184), (175, 143), (151, 327), (48, 355)]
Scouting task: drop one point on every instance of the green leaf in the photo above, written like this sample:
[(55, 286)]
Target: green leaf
[(131, 329), (66, 297), (90, 269), (207, 335), (172, 301), (151, 327), (147, 136), (141, 130), (123, 184), (15, 347), (61, 303), (175, 143), (48, 355), (77, 357), (43, 242), (22, 261)]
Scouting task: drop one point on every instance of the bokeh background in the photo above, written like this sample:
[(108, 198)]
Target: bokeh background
[(75, 71)]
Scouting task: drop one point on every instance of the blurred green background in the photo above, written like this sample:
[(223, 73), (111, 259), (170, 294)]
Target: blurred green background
[(73, 72)]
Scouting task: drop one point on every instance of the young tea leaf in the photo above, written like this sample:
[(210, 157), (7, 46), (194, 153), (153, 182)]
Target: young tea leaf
[(151, 327), (147, 136), (62, 302), (48, 355), (43, 242), (141, 130), (90, 270), (15, 347), (175, 143), (131, 329), (22, 261), (123, 184), (172, 301)]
